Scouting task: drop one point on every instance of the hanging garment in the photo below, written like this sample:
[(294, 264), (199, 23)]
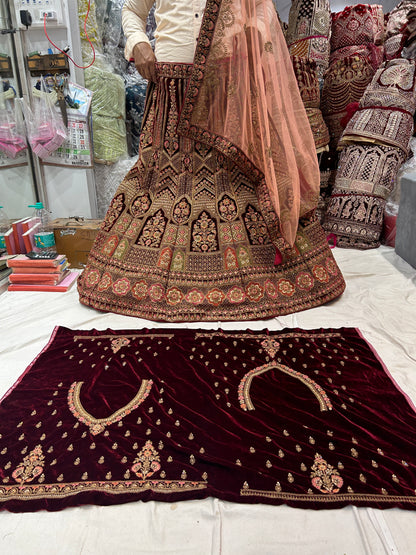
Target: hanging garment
[(226, 185), (189, 237)]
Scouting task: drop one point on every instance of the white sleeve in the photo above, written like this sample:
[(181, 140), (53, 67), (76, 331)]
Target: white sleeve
[(133, 19)]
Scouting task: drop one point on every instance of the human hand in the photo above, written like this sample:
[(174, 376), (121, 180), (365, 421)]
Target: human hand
[(144, 60)]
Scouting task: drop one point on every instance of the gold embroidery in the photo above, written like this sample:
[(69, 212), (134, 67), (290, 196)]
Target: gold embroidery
[(97, 425), (245, 384), (325, 477), (62, 490), (302, 335), (118, 343), (31, 467), (147, 461)]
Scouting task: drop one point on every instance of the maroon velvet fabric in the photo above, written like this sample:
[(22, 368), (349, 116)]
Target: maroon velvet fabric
[(307, 418)]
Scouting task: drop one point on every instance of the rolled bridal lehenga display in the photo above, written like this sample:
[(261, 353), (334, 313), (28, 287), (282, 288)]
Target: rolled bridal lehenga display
[(215, 220)]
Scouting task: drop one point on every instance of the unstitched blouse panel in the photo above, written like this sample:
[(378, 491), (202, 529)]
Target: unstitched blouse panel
[(177, 27)]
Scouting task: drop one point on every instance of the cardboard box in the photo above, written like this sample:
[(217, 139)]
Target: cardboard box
[(74, 237)]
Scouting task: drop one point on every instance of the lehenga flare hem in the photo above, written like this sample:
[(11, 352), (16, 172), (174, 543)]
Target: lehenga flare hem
[(189, 237)]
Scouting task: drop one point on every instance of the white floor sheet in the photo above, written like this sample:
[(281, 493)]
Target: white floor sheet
[(380, 300)]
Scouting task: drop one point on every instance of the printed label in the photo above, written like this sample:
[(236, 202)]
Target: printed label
[(2, 242)]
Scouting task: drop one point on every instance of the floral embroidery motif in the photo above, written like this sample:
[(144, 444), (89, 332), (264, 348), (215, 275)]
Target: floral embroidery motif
[(174, 296), (195, 296), (178, 263), (123, 223), (115, 209), (204, 234), (133, 229), (270, 289), (110, 245), (121, 287), (215, 297), (181, 211), (254, 292), (105, 282), (331, 266), (325, 477), (227, 208), (117, 344), (230, 257), (271, 346), (147, 462), (98, 425), (156, 292), (286, 287), (153, 230), (304, 281), (31, 467), (256, 227), (165, 258), (320, 273), (92, 278), (243, 257), (121, 249), (245, 384), (140, 206), (236, 295), (139, 290)]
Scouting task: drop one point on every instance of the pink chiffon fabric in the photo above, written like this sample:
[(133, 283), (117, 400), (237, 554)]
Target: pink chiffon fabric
[(243, 99)]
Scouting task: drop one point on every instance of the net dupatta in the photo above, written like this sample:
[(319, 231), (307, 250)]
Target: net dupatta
[(243, 99)]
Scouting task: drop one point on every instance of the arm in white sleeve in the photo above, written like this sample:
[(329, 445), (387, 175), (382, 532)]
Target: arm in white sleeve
[(133, 19)]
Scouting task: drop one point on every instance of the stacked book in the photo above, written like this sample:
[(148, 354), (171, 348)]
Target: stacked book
[(30, 274), (5, 271), (19, 238)]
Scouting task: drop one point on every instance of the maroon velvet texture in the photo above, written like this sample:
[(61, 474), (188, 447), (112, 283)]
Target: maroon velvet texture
[(307, 418)]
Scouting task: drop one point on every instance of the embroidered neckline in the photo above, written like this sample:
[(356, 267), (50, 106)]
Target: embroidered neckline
[(245, 384), (98, 425)]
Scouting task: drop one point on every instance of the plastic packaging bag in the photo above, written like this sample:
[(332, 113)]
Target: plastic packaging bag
[(45, 128), (12, 130)]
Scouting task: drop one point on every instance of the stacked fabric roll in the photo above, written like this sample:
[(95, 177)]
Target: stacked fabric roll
[(396, 23), (376, 142), (307, 78), (356, 51), (308, 32)]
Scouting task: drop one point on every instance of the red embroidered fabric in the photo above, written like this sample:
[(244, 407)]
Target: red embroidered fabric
[(358, 24), (243, 99), (309, 418)]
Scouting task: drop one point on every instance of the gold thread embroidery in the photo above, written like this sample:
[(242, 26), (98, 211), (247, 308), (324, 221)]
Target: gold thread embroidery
[(303, 335), (31, 467), (147, 461), (325, 477), (97, 425), (325, 498), (127, 335), (62, 489), (245, 384)]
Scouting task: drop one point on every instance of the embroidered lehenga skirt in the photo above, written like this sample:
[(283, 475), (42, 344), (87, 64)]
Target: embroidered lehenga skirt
[(188, 237)]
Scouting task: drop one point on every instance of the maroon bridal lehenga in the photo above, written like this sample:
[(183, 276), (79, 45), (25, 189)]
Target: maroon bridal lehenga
[(216, 219)]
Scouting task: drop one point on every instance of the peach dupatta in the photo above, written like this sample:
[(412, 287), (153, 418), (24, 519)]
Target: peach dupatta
[(243, 99)]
